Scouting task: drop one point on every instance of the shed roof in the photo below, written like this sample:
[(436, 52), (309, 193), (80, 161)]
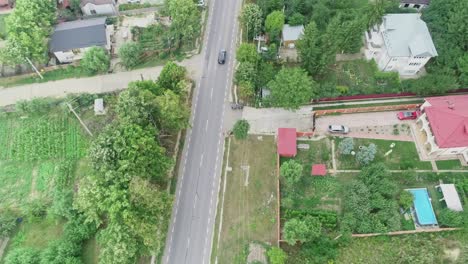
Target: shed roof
[(448, 119), (417, 2), (319, 170), (451, 197), (96, 2), (290, 33), (79, 34), (287, 142), (407, 35)]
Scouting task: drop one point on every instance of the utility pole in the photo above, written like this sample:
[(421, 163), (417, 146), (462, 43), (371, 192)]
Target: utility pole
[(34, 67)]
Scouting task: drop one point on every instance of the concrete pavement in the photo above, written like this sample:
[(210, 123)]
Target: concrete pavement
[(192, 223), (96, 84)]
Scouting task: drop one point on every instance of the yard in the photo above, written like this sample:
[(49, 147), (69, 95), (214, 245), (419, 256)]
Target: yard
[(404, 155), (250, 199)]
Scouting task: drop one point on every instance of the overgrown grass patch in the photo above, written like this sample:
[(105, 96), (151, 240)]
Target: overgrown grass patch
[(15, 183), (404, 155), (450, 165), (250, 199)]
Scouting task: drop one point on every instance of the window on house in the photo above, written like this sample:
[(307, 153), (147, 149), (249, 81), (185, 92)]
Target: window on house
[(406, 5), (417, 6), (93, 12), (76, 51), (394, 59)]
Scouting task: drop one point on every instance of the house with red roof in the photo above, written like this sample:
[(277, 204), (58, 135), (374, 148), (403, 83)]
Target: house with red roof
[(287, 144), (445, 123)]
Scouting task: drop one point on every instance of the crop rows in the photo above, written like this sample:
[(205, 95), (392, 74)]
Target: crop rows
[(41, 139)]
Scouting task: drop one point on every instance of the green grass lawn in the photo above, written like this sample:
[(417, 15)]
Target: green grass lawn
[(404, 155), (444, 247), (15, 183), (249, 208), (55, 75), (450, 165)]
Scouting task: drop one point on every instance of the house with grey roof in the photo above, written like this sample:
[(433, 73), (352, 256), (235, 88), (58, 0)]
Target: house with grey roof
[(98, 7), (70, 40), (291, 34), (402, 43), (416, 4)]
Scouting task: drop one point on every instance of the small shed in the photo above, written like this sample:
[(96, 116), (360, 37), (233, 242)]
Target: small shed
[(287, 142), (451, 197), (319, 170), (99, 106), (291, 34)]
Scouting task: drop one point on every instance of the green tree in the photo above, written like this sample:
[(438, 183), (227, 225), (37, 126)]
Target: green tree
[(251, 19), (295, 230), (173, 114), (267, 6), (291, 171), (292, 88), (185, 20), (246, 91), (346, 146), (432, 84), (309, 50), (137, 106), (366, 154), (246, 72), (28, 27), (247, 52), (148, 85), (130, 54), (274, 24), (406, 200), (118, 245), (296, 19), (463, 69), (241, 129), (95, 60), (172, 77), (450, 218), (276, 255)]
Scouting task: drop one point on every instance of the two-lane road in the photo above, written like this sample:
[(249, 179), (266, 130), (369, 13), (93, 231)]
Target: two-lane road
[(191, 228)]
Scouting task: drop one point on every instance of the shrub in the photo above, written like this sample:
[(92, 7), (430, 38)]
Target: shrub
[(366, 154), (296, 19), (406, 200), (291, 171), (346, 146), (276, 255), (7, 222), (35, 209), (22, 255), (130, 54), (95, 60), (241, 129), (450, 218), (303, 230)]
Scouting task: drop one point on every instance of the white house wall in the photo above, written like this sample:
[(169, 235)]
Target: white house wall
[(106, 9)]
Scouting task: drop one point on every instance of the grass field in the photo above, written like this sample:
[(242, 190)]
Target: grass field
[(404, 155), (250, 199), (15, 183), (450, 165)]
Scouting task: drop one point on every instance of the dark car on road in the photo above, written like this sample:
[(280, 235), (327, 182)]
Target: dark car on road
[(408, 115), (222, 57)]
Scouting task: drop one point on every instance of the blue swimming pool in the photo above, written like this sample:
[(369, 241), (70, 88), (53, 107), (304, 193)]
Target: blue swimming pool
[(422, 204)]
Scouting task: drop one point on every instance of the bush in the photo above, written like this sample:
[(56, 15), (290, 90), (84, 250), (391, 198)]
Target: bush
[(133, 6), (7, 222), (366, 154), (406, 200), (36, 208), (276, 255), (291, 172), (346, 146), (22, 255), (296, 19), (95, 60), (450, 218), (35, 106), (241, 129), (130, 54)]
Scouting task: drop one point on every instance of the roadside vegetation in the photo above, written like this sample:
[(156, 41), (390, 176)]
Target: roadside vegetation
[(55, 204)]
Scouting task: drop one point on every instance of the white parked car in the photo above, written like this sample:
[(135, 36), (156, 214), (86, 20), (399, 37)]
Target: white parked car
[(133, 1), (338, 129)]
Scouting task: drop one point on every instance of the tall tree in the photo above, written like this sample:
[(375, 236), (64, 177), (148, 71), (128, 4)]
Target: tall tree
[(291, 171), (247, 52), (309, 49), (251, 19), (173, 114), (171, 77), (95, 60), (28, 28), (185, 20), (137, 106), (292, 88), (274, 24)]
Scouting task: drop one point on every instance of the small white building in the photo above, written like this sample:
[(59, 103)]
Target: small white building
[(416, 4), (445, 124), (98, 7), (70, 40), (451, 198), (402, 43), (290, 35)]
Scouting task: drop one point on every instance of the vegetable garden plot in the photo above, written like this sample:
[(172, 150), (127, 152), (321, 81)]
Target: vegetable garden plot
[(15, 183), (41, 138)]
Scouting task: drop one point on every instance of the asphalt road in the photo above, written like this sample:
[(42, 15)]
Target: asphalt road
[(192, 224)]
